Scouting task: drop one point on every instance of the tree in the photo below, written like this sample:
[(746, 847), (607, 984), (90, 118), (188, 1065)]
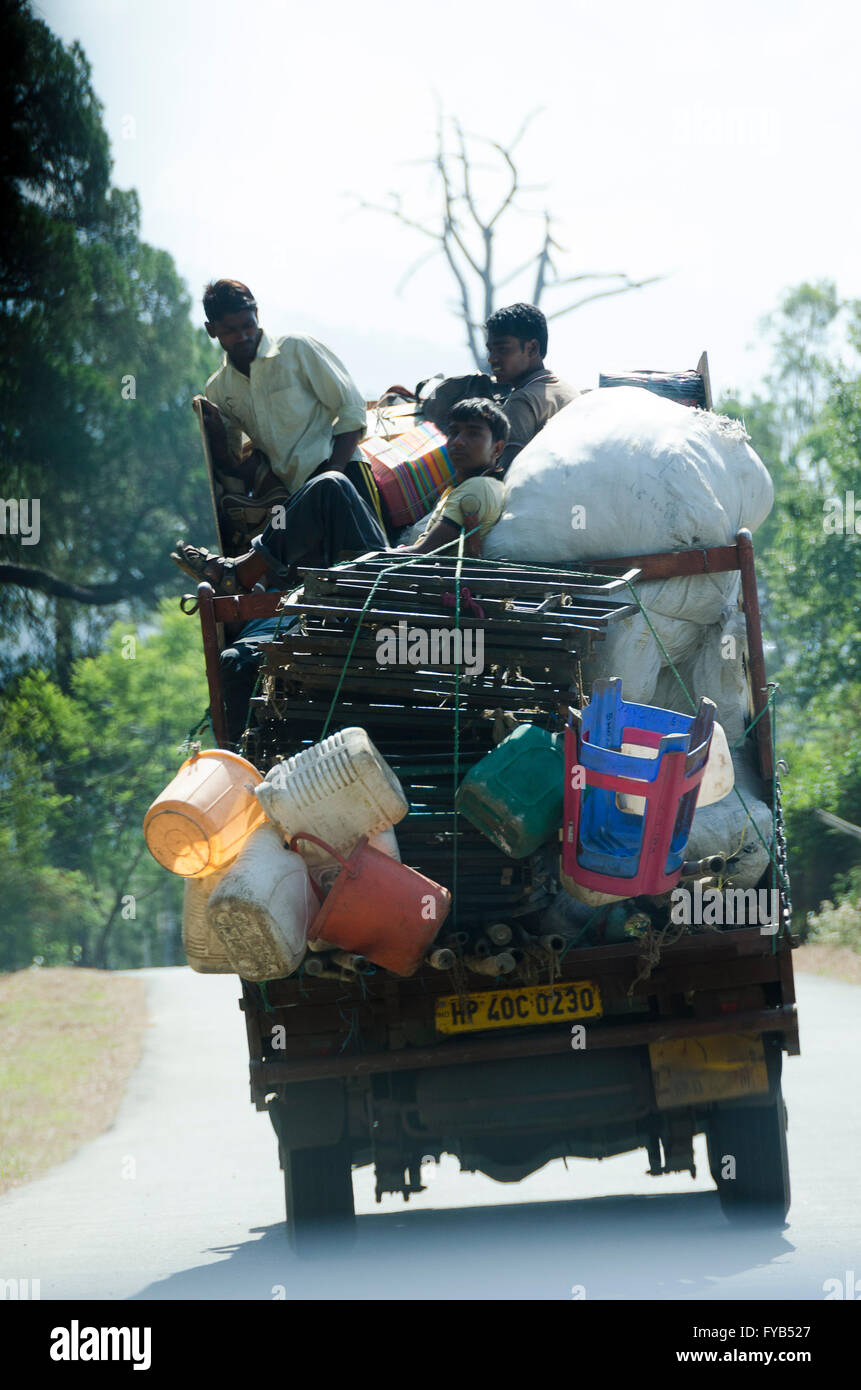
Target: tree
[(466, 232), (99, 362), (800, 374), (809, 435), (78, 770)]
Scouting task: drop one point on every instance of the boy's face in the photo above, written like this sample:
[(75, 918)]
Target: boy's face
[(510, 359), (471, 446), (238, 334)]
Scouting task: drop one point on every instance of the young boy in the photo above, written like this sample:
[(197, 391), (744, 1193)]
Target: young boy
[(477, 435), (516, 348)]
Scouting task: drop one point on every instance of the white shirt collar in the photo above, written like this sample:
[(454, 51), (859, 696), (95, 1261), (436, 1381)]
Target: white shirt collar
[(267, 347)]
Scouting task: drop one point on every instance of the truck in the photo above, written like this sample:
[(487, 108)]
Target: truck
[(611, 1043)]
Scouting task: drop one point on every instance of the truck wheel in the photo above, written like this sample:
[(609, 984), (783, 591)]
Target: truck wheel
[(318, 1189), (755, 1138)]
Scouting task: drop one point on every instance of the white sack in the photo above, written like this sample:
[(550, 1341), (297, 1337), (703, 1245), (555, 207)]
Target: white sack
[(650, 475), (725, 827)]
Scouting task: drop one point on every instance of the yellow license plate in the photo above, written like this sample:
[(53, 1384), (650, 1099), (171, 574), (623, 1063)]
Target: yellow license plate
[(688, 1070), (518, 1008)]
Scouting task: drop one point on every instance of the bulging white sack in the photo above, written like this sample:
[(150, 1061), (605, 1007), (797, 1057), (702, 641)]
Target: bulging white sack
[(729, 827), (622, 471)]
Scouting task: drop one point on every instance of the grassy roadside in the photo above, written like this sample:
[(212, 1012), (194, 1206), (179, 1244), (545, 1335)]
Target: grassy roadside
[(824, 958), (69, 1039)]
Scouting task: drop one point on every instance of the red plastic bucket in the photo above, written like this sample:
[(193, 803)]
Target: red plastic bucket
[(379, 908)]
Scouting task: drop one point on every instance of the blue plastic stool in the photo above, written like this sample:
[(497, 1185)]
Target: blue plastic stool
[(623, 852)]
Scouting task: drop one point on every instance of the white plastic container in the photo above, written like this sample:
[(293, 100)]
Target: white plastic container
[(202, 947), (718, 778), (262, 908), (339, 790)]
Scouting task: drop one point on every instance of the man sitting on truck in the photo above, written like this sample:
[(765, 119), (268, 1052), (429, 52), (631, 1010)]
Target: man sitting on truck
[(327, 517), (516, 348), (291, 396)]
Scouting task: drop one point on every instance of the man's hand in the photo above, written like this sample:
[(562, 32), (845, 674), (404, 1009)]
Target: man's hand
[(343, 448), (216, 432)]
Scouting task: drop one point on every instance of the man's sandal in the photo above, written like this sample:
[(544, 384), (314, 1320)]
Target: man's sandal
[(206, 566)]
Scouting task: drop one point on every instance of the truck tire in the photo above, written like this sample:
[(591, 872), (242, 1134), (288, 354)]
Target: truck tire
[(755, 1137), (318, 1191)]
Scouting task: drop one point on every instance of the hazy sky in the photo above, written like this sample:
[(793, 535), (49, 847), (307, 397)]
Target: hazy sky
[(716, 145)]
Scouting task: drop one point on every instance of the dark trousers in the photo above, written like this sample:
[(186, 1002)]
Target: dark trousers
[(324, 517), (240, 663)]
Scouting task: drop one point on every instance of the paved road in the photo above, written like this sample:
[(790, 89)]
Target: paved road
[(182, 1197)]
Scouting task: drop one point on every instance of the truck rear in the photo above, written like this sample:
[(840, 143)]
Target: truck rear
[(519, 1039)]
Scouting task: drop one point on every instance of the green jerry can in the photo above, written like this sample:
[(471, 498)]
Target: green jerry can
[(514, 795)]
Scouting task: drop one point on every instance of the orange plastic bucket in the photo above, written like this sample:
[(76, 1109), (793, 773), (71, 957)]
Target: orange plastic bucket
[(204, 816), (379, 908)]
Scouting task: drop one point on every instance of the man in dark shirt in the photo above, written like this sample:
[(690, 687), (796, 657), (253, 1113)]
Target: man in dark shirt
[(516, 347)]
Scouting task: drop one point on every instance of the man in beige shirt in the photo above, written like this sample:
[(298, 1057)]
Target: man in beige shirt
[(291, 396), (516, 348)]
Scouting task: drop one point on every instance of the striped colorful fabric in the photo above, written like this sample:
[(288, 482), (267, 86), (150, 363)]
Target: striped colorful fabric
[(412, 471)]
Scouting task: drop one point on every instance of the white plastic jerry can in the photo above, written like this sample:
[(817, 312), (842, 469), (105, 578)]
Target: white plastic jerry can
[(262, 908), (202, 947), (339, 790)]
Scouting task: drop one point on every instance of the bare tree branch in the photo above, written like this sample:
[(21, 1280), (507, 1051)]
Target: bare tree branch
[(604, 294), (399, 215), (598, 275), (543, 260), (838, 823), (467, 183), (473, 270), (512, 190), (450, 219), (466, 306), (28, 577)]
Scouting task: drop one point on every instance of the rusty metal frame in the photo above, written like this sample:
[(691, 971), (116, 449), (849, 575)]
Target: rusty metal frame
[(267, 1075), (719, 559), (214, 612)]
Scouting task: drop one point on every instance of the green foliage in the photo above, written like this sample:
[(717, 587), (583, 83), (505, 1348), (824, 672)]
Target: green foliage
[(824, 762), (99, 364), (809, 435), (839, 924), (79, 769), (799, 328)]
